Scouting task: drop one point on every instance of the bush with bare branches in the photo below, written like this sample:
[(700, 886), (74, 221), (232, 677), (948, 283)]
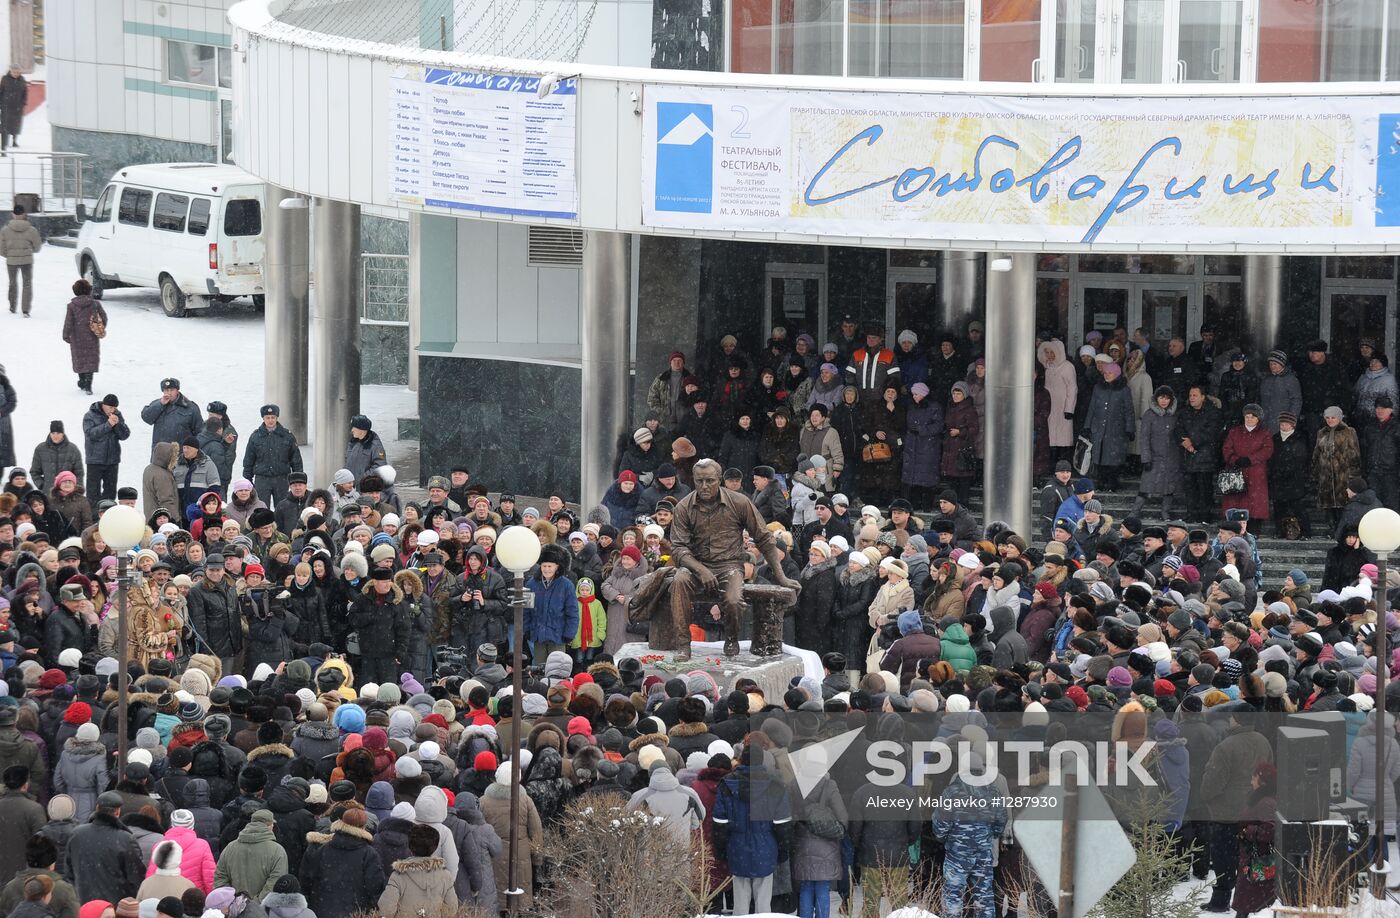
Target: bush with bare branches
[(607, 863)]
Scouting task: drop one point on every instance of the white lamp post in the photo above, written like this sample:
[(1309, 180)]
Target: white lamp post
[(122, 527), (517, 548), (1380, 532)]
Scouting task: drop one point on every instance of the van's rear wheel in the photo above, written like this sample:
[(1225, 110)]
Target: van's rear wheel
[(92, 276), (259, 302), (172, 299)]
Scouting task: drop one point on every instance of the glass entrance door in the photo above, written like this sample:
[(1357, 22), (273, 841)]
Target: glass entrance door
[(795, 296), (1168, 311), (1209, 40), (1145, 41), (913, 296), (1102, 308), (1076, 49), (1353, 312), (1165, 308), (1137, 53)]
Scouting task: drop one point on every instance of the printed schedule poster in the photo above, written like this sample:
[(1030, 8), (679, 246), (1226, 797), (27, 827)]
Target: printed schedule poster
[(484, 142)]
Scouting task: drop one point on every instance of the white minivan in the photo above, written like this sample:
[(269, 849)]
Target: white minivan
[(194, 230)]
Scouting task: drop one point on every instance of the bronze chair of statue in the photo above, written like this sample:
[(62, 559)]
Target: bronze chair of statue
[(665, 597)]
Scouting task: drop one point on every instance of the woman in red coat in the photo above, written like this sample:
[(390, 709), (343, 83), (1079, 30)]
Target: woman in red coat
[(1256, 884), (1249, 448)]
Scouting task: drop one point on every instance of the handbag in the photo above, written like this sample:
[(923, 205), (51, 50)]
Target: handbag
[(876, 453), (1083, 455), (1230, 481), (97, 326), (873, 654), (822, 822)]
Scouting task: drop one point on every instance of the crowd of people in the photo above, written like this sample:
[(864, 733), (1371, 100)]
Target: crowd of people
[(323, 721), (857, 416)]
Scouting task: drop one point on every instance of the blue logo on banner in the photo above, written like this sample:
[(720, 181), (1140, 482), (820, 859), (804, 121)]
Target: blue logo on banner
[(1388, 171), (685, 157)]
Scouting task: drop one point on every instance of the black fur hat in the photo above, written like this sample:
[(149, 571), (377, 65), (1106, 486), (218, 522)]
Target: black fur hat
[(555, 553)]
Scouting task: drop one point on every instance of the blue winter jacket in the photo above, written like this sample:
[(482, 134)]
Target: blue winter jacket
[(1072, 509), (555, 615), (752, 811), (622, 508), (1173, 763)]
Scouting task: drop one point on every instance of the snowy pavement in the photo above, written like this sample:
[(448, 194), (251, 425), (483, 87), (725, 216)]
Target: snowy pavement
[(215, 353)]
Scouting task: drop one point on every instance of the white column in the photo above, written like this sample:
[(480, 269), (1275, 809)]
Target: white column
[(1010, 408), (957, 291), (415, 296), (1263, 300), (607, 302), (335, 333), (286, 277)]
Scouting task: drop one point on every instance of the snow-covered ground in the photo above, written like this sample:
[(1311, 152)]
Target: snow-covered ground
[(215, 353)]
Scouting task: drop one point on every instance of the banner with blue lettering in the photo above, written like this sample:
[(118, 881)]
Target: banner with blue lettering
[(1070, 172)]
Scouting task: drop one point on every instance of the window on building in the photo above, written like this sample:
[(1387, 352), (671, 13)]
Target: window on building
[(199, 217), (1361, 267), (1329, 41), (893, 38), (1209, 41), (170, 212), (135, 207), (198, 65), (797, 36), (1010, 40), (897, 38), (242, 217), (226, 129)]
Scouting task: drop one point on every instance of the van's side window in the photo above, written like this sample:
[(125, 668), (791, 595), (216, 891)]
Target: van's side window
[(135, 207), (103, 212), (170, 212), (242, 217), (199, 217)]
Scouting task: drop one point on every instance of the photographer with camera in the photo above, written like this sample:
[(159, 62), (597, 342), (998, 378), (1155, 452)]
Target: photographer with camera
[(481, 611), (270, 625)]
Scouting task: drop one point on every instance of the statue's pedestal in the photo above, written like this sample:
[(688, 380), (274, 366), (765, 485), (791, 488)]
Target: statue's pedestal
[(771, 673)]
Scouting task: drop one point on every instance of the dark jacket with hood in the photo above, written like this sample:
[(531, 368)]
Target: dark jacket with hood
[(391, 841), (273, 758), (292, 822), (477, 844), (383, 626), (313, 740), (468, 624), (340, 872), (212, 765), (1010, 648)]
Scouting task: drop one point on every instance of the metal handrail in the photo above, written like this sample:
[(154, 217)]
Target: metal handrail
[(384, 286), (58, 176)]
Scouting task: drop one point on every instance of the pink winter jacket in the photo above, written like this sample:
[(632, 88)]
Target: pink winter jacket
[(196, 861)]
